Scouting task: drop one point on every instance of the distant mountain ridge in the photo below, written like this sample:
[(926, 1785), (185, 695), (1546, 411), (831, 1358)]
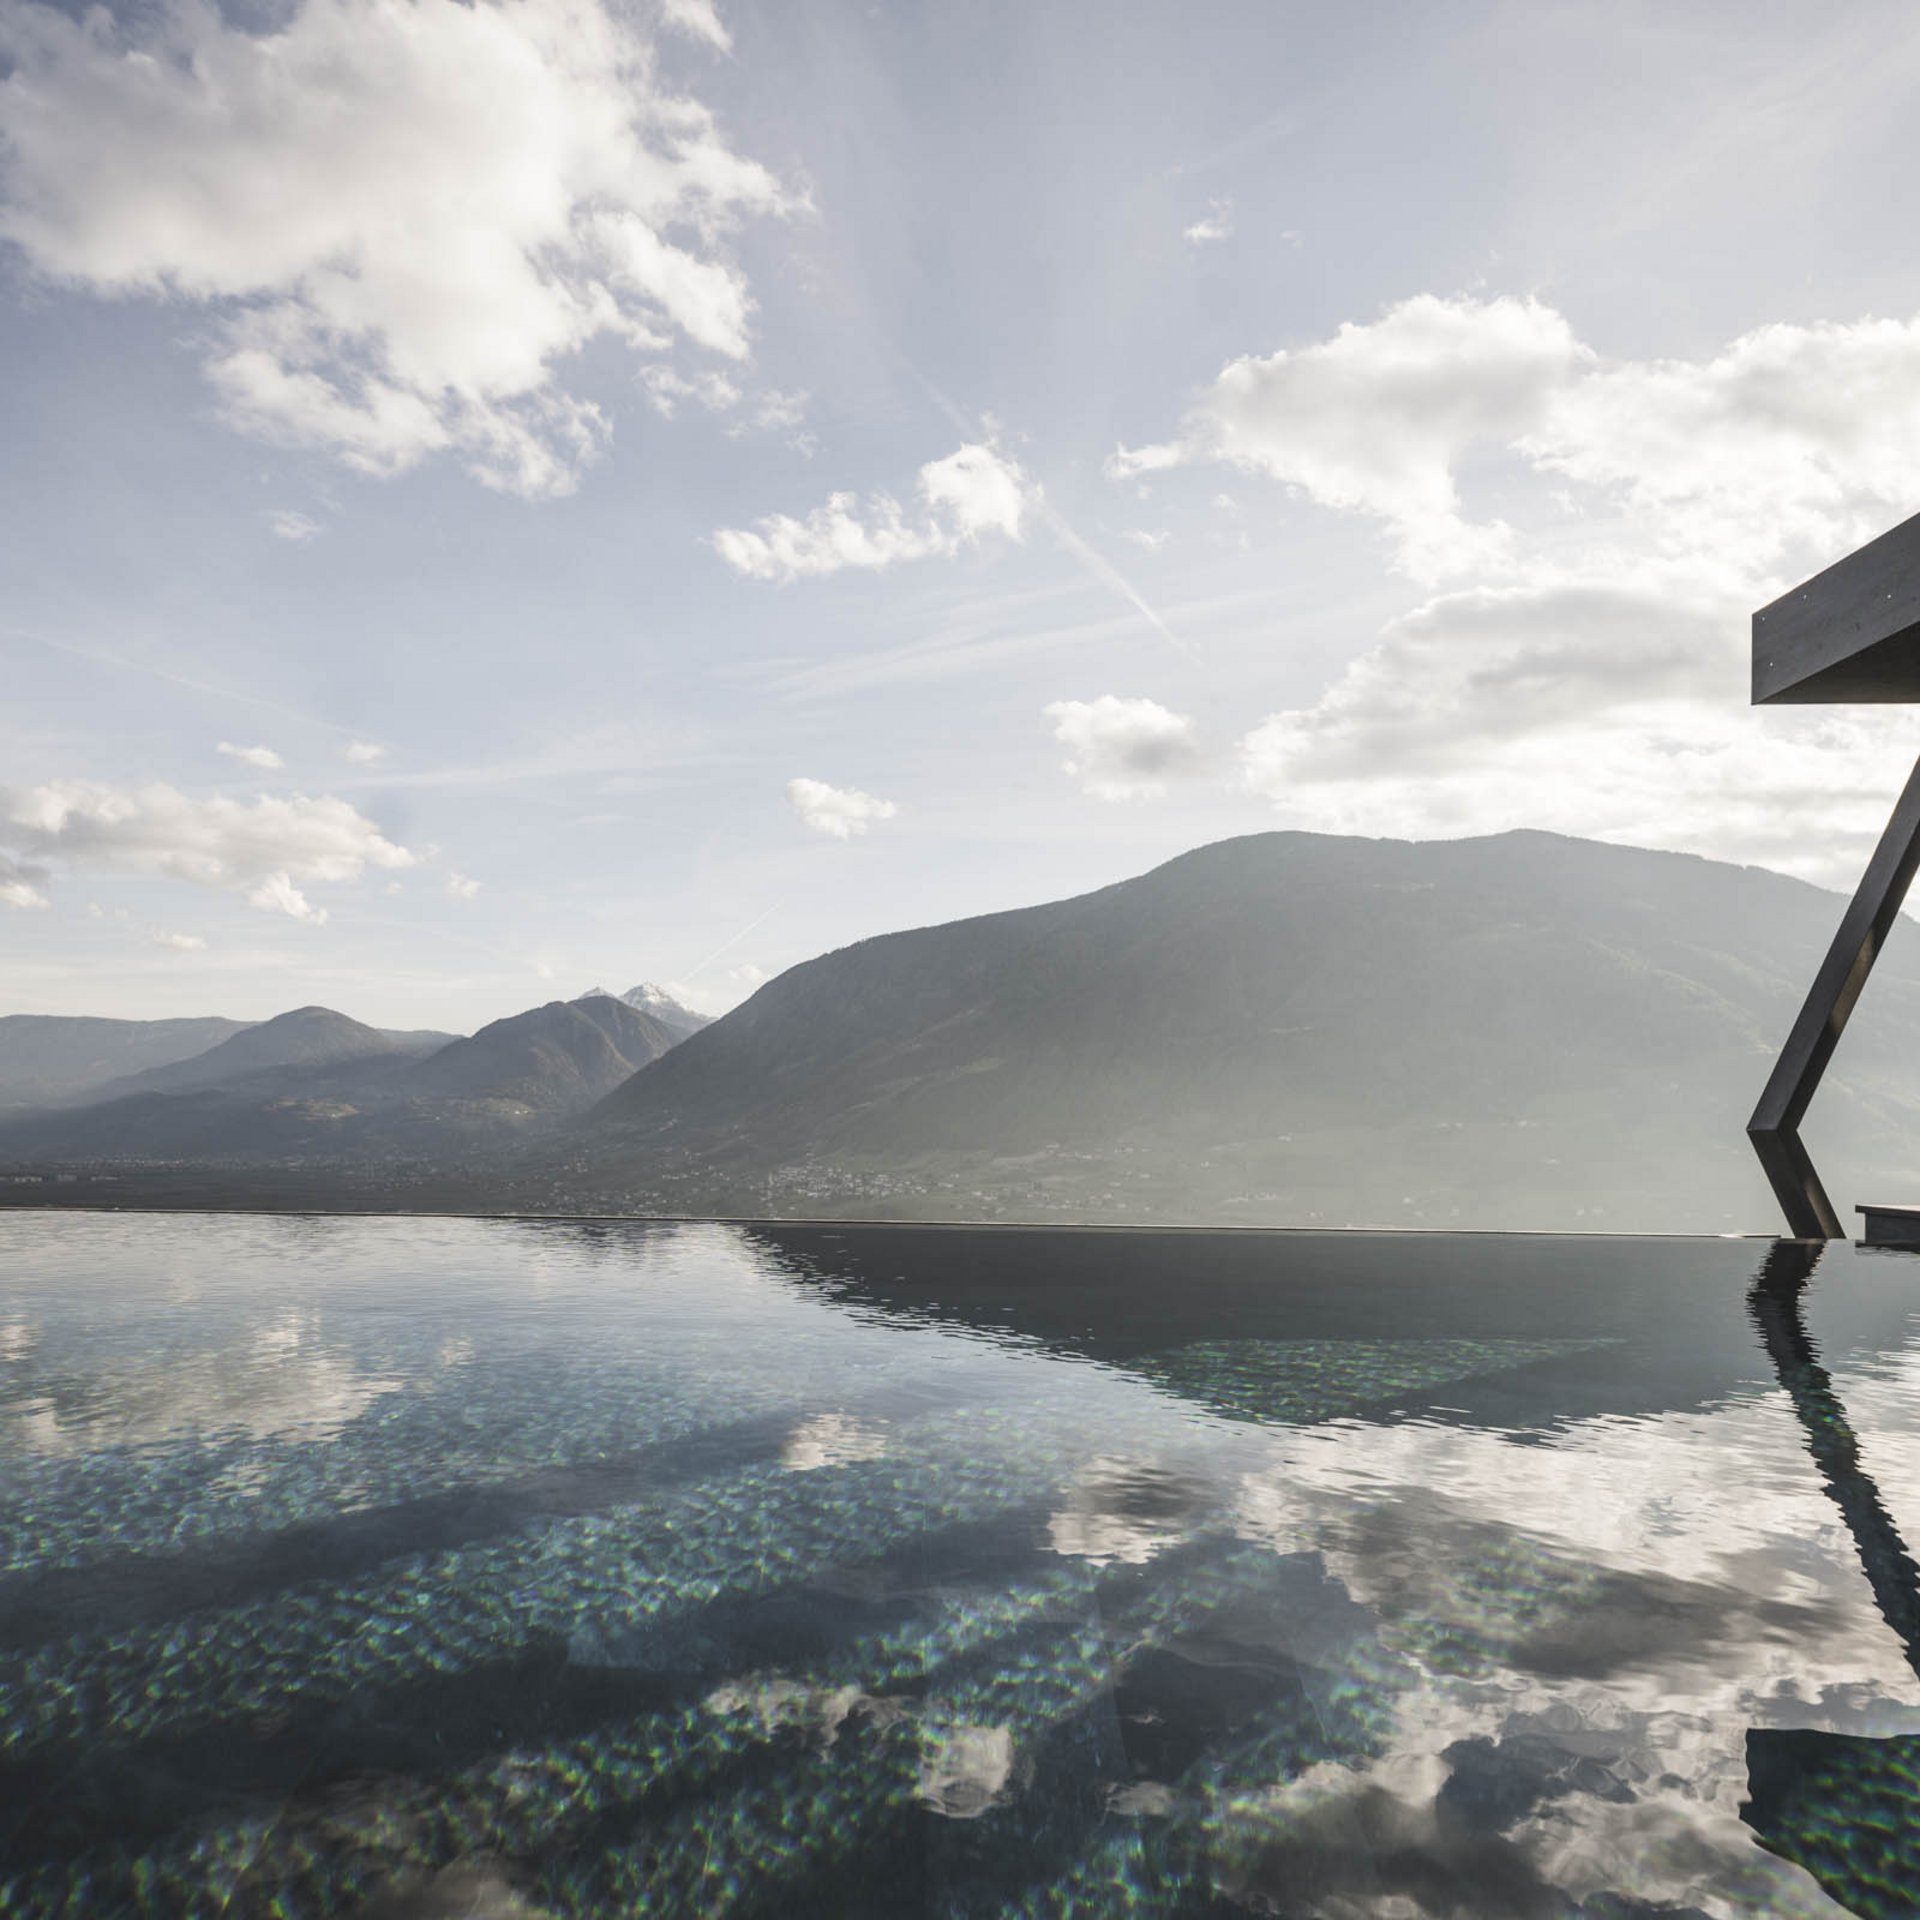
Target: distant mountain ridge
[(305, 1037), (563, 1056), (47, 1057), (315, 1084)]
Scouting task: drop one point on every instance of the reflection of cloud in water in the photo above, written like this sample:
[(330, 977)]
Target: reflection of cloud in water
[(965, 1769), (1128, 1511), (1596, 1622), (1652, 1494), (778, 1704), (831, 1440), (468, 1890), (279, 1382)]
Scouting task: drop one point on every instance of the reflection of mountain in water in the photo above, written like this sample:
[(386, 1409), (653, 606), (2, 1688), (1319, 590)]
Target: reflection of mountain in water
[(1293, 1381), (1288, 1326)]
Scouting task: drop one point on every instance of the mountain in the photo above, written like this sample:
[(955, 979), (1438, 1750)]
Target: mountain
[(314, 1085), (306, 1037), (1519, 1030), (560, 1057), (658, 1004), (48, 1057)]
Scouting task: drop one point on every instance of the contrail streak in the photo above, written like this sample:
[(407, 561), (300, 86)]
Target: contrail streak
[(95, 658), (1093, 563), (726, 946), (1100, 568)]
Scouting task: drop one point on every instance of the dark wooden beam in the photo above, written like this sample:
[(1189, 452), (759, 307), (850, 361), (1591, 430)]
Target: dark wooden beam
[(1851, 633), (1774, 1128)]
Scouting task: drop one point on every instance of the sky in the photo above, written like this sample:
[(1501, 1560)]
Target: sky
[(505, 496)]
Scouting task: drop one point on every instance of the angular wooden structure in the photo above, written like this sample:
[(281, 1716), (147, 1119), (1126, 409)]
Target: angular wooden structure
[(1851, 633)]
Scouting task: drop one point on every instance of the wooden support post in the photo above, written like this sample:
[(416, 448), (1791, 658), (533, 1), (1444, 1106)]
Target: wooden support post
[(1775, 1126)]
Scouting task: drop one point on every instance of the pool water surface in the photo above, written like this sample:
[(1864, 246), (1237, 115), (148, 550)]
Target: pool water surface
[(531, 1568)]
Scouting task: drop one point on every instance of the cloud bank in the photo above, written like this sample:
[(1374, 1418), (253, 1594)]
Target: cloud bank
[(399, 215), (1791, 442), (1580, 661), (265, 849)]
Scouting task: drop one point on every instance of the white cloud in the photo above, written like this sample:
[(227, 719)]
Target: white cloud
[(1614, 709), (1586, 669), (363, 753), (974, 491), (977, 490), (258, 848), (1793, 441), (20, 885), (840, 812), (180, 942), (288, 524), (1124, 749), (1149, 539), (770, 411), (262, 757), (402, 215), (666, 389), (1216, 224), (698, 20), (1376, 419), (776, 411), (461, 886), (1461, 677), (277, 894), (1789, 444)]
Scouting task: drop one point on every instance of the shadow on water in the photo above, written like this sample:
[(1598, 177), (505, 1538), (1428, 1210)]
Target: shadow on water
[(1846, 1808)]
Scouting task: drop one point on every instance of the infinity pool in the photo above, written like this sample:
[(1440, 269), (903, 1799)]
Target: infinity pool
[(440, 1567)]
